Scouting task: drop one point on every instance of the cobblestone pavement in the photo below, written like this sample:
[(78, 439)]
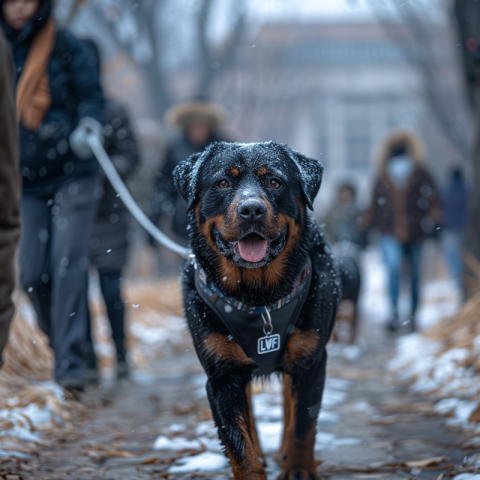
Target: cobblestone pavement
[(370, 426)]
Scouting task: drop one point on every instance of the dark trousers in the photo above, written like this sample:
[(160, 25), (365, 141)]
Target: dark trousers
[(54, 261), (110, 286)]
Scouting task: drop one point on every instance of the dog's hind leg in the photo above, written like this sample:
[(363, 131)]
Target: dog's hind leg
[(253, 428), (287, 416), (354, 326)]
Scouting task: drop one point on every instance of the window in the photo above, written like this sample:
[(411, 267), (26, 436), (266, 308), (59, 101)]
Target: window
[(357, 136)]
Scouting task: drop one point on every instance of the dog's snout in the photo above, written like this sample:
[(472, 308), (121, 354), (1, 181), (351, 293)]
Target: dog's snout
[(252, 210)]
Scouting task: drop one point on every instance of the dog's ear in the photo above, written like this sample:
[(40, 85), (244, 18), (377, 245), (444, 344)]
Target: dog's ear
[(311, 173), (185, 176)]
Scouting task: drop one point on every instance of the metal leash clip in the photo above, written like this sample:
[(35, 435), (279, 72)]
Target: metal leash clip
[(267, 325)]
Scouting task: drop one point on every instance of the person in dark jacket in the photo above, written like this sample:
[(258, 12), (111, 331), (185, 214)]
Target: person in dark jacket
[(455, 198), (405, 210), (59, 102), (10, 190), (111, 233), (199, 123), (341, 222)]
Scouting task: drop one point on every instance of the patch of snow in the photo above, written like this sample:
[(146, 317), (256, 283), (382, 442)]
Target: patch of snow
[(177, 443), (177, 427), (467, 476), (205, 462)]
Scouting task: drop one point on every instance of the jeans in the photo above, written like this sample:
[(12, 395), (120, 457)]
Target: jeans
[(54, 260), (452, 248), (393, 253)]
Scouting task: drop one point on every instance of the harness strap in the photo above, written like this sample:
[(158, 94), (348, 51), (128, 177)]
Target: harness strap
[(246, 325)]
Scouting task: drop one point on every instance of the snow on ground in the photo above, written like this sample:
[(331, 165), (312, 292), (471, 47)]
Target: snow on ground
[(33, 410), (268, 411), (432, 370)]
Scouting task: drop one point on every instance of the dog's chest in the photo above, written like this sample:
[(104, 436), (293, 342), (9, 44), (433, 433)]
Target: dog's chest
[(262, 332)]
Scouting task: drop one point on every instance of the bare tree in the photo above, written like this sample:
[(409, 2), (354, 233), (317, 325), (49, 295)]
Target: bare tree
[(413, 27), (467, 16), (148, 41)]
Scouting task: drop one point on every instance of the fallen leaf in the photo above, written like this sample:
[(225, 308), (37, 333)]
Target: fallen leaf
[(428, 462), (475, 416)]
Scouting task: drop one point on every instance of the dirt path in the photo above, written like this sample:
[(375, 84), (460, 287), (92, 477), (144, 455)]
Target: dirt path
[(367, 424)]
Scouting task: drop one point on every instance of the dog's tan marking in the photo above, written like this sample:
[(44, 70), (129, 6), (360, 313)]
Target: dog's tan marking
[(301, 344), (262, 171), (275, 271), (235, 171), (222, 348)]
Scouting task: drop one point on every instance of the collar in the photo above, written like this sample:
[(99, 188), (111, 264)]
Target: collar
[(214, 293)]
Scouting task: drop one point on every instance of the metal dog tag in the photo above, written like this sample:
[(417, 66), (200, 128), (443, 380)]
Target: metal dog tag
[(270, 343)]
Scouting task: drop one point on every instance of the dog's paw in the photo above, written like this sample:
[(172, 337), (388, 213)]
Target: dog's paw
[(298, 475)]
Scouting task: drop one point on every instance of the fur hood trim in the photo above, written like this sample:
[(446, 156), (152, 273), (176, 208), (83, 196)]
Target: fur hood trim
[(179, 115), (409, 139)]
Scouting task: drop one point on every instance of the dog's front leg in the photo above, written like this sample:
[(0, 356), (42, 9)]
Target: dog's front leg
[(304, 397), (229, 372)]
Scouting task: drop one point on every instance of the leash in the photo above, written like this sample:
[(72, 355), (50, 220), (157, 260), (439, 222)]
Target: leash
[(122, 191)]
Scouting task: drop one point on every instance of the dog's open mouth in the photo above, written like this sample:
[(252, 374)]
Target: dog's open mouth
[(253, 249)]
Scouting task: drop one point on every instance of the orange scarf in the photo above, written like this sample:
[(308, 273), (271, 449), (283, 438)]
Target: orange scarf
[(33, 90)]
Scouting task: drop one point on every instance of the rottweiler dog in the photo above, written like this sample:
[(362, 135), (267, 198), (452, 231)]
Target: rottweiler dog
[(260, 295)]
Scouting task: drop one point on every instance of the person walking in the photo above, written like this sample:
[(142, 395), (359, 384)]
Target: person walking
[(111, 233), (342, 220), (199, 123), (10, 191), (59, 102), (405, 209), (455, 198)]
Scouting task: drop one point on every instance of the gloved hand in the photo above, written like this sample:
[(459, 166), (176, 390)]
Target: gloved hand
[(78, 138)]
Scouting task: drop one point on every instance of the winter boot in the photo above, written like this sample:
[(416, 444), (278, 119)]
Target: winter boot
[(393, 324), (72, 385), (123, 369), (91, 372)]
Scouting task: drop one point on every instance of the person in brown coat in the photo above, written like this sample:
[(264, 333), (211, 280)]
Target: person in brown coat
[(405, 210), (9, 192)]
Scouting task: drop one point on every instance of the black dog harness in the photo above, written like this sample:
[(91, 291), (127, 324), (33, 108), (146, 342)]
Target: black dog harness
[(262, 332)]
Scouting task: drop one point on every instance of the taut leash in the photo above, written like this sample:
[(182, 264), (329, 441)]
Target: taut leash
[(122, 191)]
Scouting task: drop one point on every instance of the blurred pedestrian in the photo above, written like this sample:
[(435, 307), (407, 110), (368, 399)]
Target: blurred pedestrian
[(111, 233), (455, 197), (405, 209), (199, 123), (10, 190), (342, 221), (59, 101)]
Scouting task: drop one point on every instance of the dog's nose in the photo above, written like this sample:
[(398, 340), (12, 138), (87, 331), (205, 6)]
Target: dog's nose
[(252, 210)]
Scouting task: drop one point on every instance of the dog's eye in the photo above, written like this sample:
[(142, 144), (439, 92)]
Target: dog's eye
[(223, 183), (274, 183)]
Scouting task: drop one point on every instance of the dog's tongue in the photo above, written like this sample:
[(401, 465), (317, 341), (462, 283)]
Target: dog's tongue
[(252, 248)]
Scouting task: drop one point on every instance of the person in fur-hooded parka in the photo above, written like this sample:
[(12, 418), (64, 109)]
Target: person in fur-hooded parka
[(404, 209)]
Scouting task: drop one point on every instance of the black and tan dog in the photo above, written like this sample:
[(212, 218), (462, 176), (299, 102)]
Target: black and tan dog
[(261, 294)]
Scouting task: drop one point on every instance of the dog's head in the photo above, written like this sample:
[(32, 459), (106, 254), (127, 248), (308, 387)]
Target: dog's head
[(248, 202)]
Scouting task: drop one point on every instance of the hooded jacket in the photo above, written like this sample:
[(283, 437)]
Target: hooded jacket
[(410, 213), (45, 155)]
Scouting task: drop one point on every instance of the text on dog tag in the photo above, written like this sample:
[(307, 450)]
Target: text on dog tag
[(268, 344)]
